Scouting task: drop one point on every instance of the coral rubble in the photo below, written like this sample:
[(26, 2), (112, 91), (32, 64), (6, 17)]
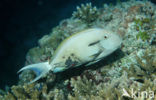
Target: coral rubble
[(132, 68)]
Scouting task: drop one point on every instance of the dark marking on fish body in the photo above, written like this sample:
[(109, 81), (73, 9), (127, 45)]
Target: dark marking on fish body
[(70, 63), (93, 43)]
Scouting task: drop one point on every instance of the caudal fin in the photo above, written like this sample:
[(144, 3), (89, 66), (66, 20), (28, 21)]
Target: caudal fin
[(40, 69)]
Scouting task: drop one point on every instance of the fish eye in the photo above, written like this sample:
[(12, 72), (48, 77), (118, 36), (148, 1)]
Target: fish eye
[(105, 37)]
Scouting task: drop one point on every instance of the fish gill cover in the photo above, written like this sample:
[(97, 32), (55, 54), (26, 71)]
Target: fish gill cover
[(131, 69)]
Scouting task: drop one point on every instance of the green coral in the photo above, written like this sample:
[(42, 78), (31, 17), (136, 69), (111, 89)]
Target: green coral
[(141, 26), (140, 22), (143, 35)]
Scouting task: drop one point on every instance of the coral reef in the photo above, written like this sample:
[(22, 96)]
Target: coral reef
[(132, 68)]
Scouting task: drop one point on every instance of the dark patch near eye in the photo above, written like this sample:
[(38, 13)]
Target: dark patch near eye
[(93, 43)]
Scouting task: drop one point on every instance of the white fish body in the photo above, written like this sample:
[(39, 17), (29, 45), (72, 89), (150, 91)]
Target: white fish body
[(85, 47)]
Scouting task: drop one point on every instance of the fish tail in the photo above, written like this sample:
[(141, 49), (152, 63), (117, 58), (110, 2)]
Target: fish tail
[(40, 69)]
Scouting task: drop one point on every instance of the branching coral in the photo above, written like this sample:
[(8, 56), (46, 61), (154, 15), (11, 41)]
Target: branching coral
[(143, 72), (86, 13), (33, 92), (84, 89)]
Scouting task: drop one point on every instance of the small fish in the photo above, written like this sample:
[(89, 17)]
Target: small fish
[(85, 47)]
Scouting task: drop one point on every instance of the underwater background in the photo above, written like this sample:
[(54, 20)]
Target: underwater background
[(31, 29), (23, 23)]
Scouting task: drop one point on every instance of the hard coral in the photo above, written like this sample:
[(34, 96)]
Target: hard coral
[(86, 13), (84, 89), (33, 92)]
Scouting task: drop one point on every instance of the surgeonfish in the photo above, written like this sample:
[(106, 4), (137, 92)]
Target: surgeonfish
[(86, 47)]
